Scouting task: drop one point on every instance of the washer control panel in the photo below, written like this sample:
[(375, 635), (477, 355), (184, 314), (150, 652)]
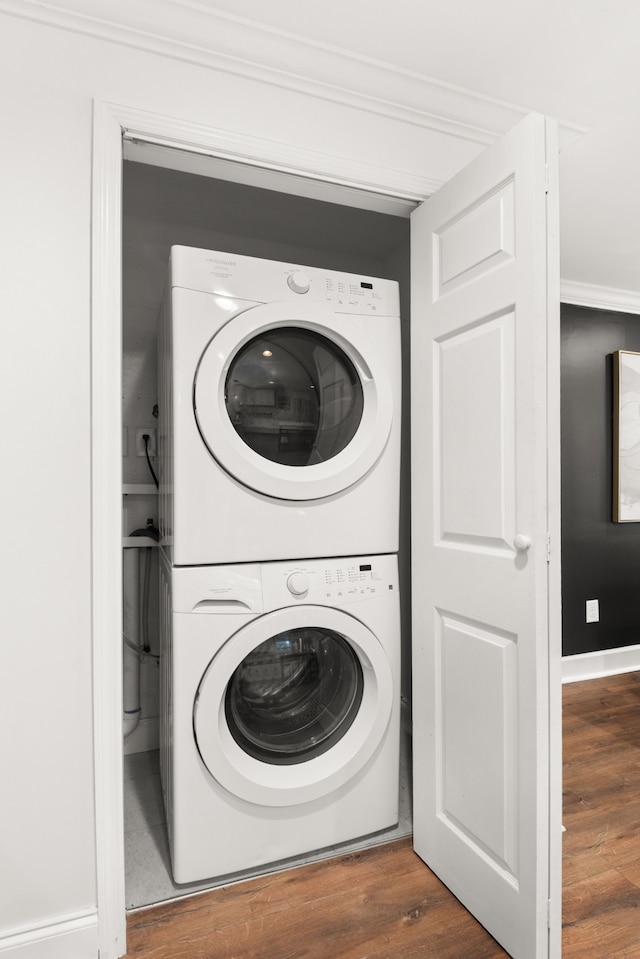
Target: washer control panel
[(329, 582), (246, 589)]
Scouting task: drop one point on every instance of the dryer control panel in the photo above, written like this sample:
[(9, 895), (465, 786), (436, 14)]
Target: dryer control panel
[(265, 281)]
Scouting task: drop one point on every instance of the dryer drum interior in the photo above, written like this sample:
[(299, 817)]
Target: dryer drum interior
[(294, 696), (294, 396)]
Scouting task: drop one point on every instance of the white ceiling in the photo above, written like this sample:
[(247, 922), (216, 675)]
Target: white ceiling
[(576, 60)]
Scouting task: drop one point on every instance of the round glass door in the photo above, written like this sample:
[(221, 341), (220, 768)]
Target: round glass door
[(295, 404), (294, 696), (293, 705), (294, 397)]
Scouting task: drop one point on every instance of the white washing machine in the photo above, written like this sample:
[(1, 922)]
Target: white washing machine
[(279, 709), (279, 432)]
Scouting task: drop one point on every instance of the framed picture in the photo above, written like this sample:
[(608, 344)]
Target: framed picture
[(626, 437)]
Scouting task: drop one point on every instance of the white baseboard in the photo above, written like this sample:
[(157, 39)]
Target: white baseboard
[(605, 662), (144, 737), (72, 938)]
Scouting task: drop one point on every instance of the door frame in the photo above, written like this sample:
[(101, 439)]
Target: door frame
[(110, 123)]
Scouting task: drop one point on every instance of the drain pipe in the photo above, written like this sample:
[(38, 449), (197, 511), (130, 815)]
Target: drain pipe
[(131, 629)]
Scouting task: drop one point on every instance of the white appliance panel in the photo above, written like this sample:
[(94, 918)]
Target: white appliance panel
[(279, 431), (227, 810)]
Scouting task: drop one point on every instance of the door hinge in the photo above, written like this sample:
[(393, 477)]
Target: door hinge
[(548, 548), (546, 178)]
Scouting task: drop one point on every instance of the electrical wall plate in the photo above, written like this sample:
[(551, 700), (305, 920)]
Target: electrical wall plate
[(592, 611), (151, 443)]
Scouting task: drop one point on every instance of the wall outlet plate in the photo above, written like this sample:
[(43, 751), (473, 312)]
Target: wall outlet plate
[(151, 443), (593, 611)]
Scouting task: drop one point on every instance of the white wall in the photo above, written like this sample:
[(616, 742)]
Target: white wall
[(49, 79), (47, 862)]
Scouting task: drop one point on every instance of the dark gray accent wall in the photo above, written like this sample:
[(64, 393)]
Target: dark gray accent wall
[(600, 558)]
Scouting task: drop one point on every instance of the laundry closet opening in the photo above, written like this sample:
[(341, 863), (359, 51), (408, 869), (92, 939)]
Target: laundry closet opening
[(163, 207)]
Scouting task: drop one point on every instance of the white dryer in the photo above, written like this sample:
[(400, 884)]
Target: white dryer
[(279, 390), (279, 709)]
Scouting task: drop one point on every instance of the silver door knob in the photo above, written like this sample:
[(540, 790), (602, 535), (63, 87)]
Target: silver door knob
[(522, 542)]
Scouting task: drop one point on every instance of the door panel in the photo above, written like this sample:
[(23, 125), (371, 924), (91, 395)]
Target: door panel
[(481, 477), (476, 240), (477, 676), (474, 435)]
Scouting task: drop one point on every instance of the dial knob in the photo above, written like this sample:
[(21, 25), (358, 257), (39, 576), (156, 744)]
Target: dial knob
[(298, 583), (299, 282)]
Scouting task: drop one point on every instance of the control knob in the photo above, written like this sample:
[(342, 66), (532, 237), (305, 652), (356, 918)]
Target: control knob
[(299, 282), (298, 583)]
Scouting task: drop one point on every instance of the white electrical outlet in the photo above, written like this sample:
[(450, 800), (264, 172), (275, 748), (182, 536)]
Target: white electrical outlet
[(593, 611), (151, 443)]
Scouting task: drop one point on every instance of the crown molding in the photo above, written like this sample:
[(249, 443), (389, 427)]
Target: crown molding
[(599, 297), (191, 31)]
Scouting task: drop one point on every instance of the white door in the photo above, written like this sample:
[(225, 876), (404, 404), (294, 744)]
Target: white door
[(484, 485)]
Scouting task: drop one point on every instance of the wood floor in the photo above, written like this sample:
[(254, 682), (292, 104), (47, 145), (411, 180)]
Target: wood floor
[(380, 904), (385, 904), (601, 848)]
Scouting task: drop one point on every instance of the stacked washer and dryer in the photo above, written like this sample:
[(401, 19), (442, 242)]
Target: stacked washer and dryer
[(279, 463)]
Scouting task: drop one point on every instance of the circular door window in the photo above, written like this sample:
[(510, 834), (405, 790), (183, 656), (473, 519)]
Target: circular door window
[(287, 404), (294, 397), (293, 705), (294, 696)]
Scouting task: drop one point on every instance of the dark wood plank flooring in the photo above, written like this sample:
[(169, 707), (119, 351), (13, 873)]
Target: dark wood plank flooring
[(601, 847), (385, 903), (377, 904)]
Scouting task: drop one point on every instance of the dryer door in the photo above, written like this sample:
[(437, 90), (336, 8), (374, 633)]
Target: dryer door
[(293, 705), (289, 405)]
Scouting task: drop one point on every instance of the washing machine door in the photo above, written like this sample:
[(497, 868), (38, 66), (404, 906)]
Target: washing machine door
[(293, 705), (288, 405)]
